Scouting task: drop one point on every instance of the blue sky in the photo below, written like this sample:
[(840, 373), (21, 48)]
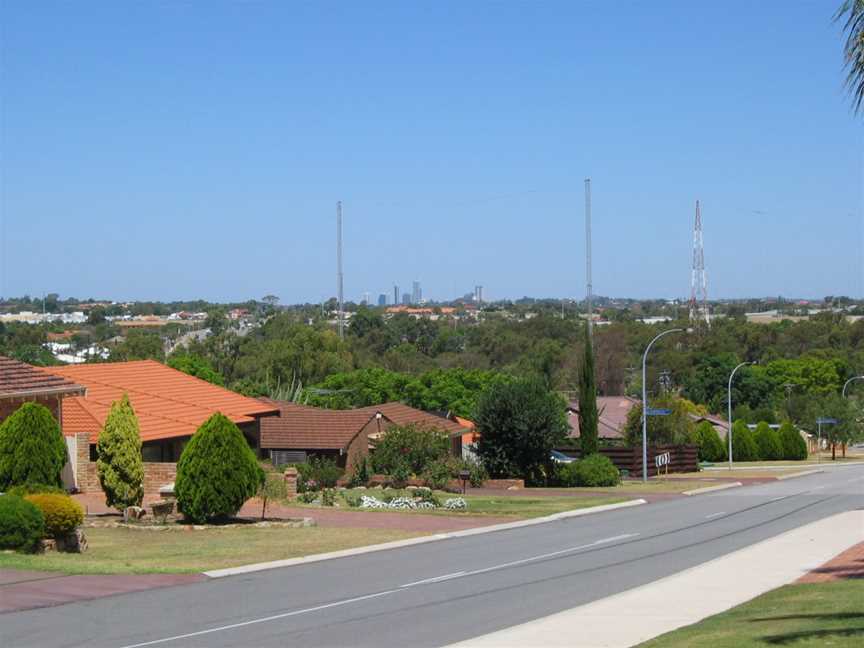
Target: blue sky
[(162, 150)]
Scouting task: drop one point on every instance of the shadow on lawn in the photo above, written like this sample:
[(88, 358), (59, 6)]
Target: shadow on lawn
[(794, 637)]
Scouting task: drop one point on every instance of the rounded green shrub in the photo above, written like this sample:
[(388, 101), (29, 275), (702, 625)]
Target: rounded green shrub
[(768, 442), (566, 475), (596, 470), (711, 447), (32, 449), (21, 524), (217, 472), (744, 446), (794, 445), (61, 513), (438, 474), (35, 489), (119, 461)]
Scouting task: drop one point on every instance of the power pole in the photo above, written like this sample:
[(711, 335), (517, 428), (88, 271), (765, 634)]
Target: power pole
[(339, 269), (588, 253)]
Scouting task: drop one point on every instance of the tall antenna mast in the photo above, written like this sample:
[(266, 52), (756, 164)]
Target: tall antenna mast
[(588, 253), (699, 313), (339, 269)]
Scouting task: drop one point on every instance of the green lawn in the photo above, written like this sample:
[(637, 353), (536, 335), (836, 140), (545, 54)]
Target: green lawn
[(504, 505), (824, 614), (129, 551)]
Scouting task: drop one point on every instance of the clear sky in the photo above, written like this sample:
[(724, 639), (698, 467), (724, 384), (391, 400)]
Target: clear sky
[(168, 150)]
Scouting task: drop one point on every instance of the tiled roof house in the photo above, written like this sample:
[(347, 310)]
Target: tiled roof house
[(21, 383)]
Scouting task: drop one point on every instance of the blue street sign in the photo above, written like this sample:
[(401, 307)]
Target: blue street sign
[(658, 412), (826, 421)]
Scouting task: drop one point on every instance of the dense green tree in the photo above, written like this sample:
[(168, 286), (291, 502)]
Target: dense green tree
[(140, 345), (119, 463), (519, 422), (32, 449), (768, 442), (675, 428), (414, 446), (588, 415), (711, 446), (197, 366), (744, 446), (794, 445), (217, 472)]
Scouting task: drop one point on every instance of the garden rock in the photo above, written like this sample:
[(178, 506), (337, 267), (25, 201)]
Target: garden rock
[(75, 542)]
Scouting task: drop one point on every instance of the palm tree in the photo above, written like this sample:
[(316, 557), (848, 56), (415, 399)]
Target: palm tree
[(851, 12)]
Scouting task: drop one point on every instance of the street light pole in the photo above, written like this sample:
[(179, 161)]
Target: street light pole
[(645, 401), (729, 402), (849, 382)]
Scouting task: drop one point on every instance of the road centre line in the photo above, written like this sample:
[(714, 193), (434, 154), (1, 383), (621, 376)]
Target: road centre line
[(367, 597), (713, 515), (274, 617), (523, 561)]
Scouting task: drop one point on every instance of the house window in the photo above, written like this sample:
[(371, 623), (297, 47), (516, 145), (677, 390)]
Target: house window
[(152, 453), (283, 457)]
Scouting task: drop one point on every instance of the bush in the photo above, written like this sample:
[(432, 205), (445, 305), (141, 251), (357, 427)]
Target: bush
[(416, 446), (477, 472), (744, 446), (119, 461), (519, 422), (361, 472), (399, 475), (596, 470), (35, 489), (217, 472), (22, 525), (711, 447), (794, 445), (325, 472), (273, 488), (768, 442), (32, 449), (352, 498), (566, 475), (61, 513), (438, 474)]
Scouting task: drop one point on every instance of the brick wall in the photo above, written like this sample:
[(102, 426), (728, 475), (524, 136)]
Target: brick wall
[(156, 474), (7, 406)]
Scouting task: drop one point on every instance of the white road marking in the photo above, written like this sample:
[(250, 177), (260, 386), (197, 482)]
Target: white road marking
[(523, 561), (437, 579), (713, 515), (817, 488), (275, 617), (357, 599), (777, 499)]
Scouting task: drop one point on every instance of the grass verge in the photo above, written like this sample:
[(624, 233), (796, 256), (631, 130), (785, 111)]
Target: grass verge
[(805, 615), (129, 551)]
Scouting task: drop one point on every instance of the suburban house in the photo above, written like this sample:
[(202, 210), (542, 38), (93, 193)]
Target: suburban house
[(612, 410), (170, 406), (301, 431), (22, 383)]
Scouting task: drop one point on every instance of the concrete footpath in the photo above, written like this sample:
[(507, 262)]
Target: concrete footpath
[(689, 596)]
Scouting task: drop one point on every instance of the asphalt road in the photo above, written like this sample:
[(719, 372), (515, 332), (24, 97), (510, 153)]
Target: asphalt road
[(442, 592)]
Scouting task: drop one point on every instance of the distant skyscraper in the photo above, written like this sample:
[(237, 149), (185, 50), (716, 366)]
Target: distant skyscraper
[(395, 294), (406, 299), (416, 293), (478, 294), (382, 299)]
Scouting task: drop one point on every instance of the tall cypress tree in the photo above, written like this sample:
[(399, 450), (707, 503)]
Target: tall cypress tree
[(32, 449), (588, 416), (119, 462)]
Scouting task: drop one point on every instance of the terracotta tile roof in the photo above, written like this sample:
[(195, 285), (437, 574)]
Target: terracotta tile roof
[(169, 403), (21, 379), (315, 428), (613, 416)]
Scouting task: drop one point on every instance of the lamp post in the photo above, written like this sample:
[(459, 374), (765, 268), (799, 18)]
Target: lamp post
[(645, 400), (849, 382), (729, 402)]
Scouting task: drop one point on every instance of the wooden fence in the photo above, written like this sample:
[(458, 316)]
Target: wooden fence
[(682, 458)]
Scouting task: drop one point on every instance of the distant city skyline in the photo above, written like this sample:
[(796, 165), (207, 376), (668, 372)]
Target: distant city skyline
[(164, 151)]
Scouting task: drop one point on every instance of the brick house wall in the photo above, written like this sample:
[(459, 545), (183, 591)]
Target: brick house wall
[(53, 403), (156, 474)]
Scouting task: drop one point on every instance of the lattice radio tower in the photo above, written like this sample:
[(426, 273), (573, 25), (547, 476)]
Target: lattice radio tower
[(699, 314)]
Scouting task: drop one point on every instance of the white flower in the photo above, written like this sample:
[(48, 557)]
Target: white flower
[(456, 503)]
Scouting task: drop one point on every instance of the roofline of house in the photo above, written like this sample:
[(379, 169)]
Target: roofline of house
[(76, 390)]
